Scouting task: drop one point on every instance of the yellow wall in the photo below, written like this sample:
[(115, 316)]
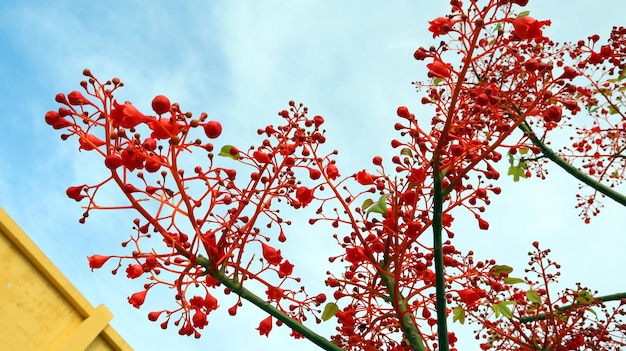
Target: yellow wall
[(39, 308)]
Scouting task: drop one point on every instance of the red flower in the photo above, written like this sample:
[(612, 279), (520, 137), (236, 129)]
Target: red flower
[(364, 178), (470, 296), (304, 195), (113, 161), (285, 269), (97, 261), (163, 128), (137, 298), (266, 326), (89, 142), (127, 116), (528, 28), (133, 158), (274, 293), (76, 98), (271, 255), (199, 319), (261, 157), (438, 69), (332, 171), (553, 113), (134, 271), (210, 302), (355, 255), (440, 25)]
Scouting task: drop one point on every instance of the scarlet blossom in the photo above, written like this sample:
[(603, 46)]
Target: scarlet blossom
[(261, 157), (286, 268), (133, 158), (149, 144), (113, 161), (199, 319), (355, 255), (528, 27), (438, 69), (137, 299), (553, 113), (274, 293), (332, 171), (364, 178), (304, 195), (97, 261), (470, 296), (440, 25), (76, 98), (163, 128), (89, 142), (265, 326), (161, 104), (134, 271), (271, 255), (210, 302), (127, 115)]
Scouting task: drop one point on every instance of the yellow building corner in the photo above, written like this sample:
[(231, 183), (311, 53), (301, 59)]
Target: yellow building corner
[(40, 309)]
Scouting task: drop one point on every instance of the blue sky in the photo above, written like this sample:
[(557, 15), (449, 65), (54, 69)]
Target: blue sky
[(241, 62)]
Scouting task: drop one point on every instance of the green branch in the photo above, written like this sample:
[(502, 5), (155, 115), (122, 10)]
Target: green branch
[(409, 328), (248, 295), (585, 178), (440, 287), (599, 299)]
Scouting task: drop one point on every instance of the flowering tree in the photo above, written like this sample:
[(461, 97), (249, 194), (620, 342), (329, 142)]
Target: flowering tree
[(499, 89)]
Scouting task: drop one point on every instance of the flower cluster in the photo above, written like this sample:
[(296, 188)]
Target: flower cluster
[(512, 89), (208, 217)]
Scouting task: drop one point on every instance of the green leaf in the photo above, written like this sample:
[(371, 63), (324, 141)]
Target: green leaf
[(499, 269), (612, 109), (436, 81), (532, 296), (503, 309), (367, 203), (458, 314), (523, 14), (227, 151), (523, 150), (498, 27), (380, 206), (510, 280), (584, 297), (406, 151), (517, 172), (330, 310), (594, 312)]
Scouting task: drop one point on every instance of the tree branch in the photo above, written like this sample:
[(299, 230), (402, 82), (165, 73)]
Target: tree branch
[(248, 295)]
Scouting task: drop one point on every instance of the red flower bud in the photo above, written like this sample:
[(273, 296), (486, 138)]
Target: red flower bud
[(75, 192), (97, 261), (161, 104), (213, 129)]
